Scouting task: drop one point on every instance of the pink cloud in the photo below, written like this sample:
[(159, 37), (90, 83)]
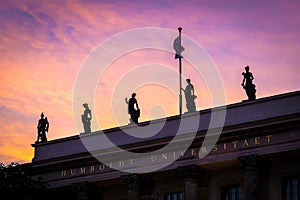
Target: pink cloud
[(42, 46)]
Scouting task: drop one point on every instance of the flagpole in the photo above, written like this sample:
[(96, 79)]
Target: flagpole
[(180, 81)]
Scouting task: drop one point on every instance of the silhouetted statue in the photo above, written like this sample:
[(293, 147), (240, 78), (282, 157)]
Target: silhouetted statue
[(190, 96), (42, 127), (134, 112), (86, 118), (249, 86)]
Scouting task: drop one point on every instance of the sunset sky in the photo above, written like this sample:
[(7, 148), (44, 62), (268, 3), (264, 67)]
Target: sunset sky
[(43, 45)]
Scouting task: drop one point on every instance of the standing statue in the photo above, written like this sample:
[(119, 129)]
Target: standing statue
[(134, 112), (42, 127), (190, 96), (249, 86), (86, 118)]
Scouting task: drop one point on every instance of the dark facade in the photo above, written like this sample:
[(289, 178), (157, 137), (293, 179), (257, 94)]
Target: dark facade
[(256, 157)]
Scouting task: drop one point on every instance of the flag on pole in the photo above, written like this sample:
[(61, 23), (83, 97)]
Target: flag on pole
[(177, 47)]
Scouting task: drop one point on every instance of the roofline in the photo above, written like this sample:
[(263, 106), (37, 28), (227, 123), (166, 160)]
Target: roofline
[(174, 117)]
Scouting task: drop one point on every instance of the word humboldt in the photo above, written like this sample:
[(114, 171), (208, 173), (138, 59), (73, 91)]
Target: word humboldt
[(190, 153)]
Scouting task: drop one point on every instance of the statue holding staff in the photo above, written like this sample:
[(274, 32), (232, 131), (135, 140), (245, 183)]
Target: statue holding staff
[(133, 109)]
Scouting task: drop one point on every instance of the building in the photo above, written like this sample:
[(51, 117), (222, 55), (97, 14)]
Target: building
[(255, 157)]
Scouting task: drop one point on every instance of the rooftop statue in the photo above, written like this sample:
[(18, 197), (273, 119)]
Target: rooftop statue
[(42, 127), (86, 118), (133, 109), (190, 96), (248, 85)]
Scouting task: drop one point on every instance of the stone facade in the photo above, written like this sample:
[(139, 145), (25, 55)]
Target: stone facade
[(256, 157)]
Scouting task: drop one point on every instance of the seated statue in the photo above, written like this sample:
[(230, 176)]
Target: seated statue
[(132, 111)]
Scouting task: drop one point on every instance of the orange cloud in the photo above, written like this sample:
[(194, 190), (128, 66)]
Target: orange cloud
[(43, 45)]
